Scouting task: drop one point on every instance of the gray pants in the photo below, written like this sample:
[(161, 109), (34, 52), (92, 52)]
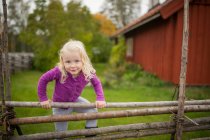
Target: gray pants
[(62, 126)]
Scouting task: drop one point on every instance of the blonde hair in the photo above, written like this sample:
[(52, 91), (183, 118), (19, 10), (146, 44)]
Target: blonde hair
[(74, 45)]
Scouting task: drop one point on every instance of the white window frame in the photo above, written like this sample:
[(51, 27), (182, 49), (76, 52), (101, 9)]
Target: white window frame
[(129, 44)]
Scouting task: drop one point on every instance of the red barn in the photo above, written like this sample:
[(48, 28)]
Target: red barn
[(155, 40)]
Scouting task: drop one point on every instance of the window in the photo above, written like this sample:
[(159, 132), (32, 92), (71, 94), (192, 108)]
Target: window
[(129, 51)]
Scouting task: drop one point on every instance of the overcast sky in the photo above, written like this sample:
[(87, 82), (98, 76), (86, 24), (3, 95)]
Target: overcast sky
[(93, 5)]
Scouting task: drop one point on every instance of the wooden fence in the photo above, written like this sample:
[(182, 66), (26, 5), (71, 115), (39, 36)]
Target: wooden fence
[(20, 61), (113, 132)]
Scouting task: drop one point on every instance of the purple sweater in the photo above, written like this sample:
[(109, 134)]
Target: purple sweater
[(68, 91)]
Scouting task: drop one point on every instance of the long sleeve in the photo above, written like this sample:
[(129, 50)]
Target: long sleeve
[(44, 80), (96, 83)]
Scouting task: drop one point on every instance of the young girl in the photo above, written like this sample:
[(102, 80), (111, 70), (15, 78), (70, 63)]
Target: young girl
[(73, 73)]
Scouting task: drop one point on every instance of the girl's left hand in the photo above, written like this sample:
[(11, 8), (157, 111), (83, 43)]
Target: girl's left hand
[(100, 104)]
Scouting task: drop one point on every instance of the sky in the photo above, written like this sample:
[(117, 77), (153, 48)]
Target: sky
[(96, 5), (93, 5)]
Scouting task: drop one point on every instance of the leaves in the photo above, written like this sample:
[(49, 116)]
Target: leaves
[(122, 12), (106, 25), (51, 25)]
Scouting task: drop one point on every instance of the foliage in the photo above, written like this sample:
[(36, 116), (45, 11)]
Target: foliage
[(121, 12), (101, 48), (17, 14), (50, 26), (43, 33), (116, 66), (117, 57), (106, 25), (18, 11), (119, 71)]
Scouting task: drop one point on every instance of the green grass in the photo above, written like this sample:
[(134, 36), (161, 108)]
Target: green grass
[(24, 88)]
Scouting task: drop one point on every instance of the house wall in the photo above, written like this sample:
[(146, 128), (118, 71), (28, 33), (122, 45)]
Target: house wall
[(157, 46), (154, 48), (199, 44)]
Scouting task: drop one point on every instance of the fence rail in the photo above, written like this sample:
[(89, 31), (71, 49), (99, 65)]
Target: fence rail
[(106, 114), (121, 131), (113, 132), (108, 105)]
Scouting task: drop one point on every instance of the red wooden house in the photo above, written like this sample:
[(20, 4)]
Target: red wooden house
[(154, 41)]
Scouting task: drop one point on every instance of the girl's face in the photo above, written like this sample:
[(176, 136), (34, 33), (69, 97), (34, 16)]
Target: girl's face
[(72, 62)]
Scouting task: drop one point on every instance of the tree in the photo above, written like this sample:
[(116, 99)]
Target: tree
[(50, 26), (18, 12), (106, 25), (44, 34), (121, 12)]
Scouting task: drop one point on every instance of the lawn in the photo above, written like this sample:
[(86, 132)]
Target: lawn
[(24, 88)]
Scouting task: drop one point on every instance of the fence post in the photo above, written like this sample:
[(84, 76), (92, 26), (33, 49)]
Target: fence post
[(12, 64), (182, 80)]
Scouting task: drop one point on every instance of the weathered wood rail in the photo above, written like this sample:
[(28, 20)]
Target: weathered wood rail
[(121, 131), (108, 105), (115, 132), (107, 114)]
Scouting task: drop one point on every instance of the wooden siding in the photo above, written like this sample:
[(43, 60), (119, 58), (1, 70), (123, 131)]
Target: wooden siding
[(157, 46), (154, 47), (199, 45)]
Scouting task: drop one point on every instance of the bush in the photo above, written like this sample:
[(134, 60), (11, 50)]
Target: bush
[(121, 73), (116, 65)]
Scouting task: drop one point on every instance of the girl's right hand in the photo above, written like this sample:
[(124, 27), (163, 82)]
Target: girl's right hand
[(46, 104)]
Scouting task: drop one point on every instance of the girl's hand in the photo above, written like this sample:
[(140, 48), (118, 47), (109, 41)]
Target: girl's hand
[(100, 104), (46, 104)]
